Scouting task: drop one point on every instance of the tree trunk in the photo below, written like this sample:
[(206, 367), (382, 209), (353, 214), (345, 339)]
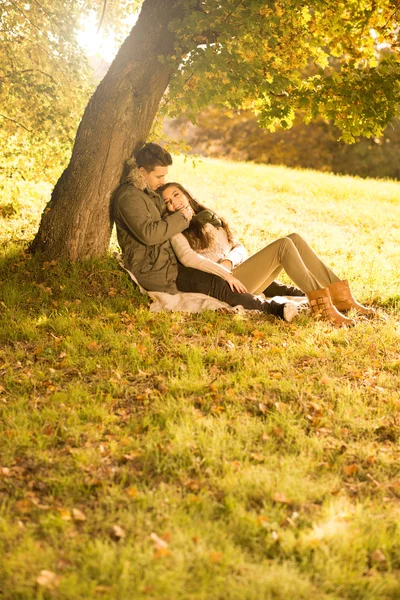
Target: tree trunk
[(76, 223)]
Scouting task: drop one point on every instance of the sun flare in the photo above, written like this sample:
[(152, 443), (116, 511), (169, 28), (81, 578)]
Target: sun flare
[(97, 43)]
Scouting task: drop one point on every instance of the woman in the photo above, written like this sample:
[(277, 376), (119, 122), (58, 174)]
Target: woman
[(207, 244)]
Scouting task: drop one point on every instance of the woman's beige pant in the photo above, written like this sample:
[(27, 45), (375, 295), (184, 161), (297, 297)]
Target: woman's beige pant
[(292, 254)]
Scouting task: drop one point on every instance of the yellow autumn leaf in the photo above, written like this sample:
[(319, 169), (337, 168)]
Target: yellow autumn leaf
[(215, 557), (93, 346), (132, 492), (350, 469)]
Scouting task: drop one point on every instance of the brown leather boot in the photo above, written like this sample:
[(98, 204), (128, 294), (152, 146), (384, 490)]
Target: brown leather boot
[(343, 299), (322, 307)]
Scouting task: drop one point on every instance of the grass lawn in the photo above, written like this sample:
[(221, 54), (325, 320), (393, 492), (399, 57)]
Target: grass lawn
[(211, 456)]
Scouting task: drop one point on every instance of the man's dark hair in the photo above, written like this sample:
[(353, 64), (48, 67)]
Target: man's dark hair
[(151, 156)]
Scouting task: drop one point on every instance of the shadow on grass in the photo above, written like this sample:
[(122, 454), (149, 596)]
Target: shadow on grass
[(28, 283), (392, 302)]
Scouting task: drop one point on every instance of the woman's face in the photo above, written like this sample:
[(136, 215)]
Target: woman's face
[(174, 198)]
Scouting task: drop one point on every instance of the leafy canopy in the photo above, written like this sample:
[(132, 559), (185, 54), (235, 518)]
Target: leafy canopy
[(338, 59), (45, 80)]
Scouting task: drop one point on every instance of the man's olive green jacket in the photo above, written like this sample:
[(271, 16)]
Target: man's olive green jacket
[(144, 228)]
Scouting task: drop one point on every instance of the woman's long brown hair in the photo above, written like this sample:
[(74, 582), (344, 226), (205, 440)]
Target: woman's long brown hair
[(197, 235)]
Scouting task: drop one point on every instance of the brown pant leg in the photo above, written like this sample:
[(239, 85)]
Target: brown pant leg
[(257, 272)]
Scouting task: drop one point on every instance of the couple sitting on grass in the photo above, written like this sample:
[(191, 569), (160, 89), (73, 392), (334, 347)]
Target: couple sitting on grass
[(172, 244)]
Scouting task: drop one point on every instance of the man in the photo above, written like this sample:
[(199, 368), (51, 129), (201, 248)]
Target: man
[(144, 228)]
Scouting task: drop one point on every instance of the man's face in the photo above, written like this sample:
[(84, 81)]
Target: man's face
[(154, 178)]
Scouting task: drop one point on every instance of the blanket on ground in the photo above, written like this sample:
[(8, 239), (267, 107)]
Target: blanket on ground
[(190, 302)]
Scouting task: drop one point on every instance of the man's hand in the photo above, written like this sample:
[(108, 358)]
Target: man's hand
[(235, 284)]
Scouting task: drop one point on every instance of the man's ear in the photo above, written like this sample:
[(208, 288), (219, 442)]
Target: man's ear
[(143, 173)]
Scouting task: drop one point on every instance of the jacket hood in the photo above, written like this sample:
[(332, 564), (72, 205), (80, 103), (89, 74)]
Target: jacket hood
[(134, 175)]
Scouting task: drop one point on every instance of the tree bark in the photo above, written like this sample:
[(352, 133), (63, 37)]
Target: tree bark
[(76, 223)]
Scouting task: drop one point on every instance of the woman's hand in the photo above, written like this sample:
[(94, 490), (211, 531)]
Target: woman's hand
[(235, 284), (187, 212)]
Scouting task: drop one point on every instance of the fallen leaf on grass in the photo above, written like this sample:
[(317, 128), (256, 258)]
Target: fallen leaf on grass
[(350, 469), (276, 349), (215, 557), (193, 485), (63, 564), (103, 589), (278, 432), (258, 334), (36, 501), (78, 515), (257, 456), (161, 553), (117, 533), (263, 521), (23, 506), (158, 541), (65, 514), (281, 498), (323, 431), (48, 579), (132, 492), (276, 375), (94, 346), (377, 556)]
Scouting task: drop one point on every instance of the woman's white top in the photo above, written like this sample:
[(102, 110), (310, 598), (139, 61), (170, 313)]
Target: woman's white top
[(207, 259)]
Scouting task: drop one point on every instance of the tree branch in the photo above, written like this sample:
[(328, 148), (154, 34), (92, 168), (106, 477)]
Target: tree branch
[(383, 27), (102, 16), (232, 11), (281, 95), (43, 9), (17, 123), (30, 71)]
